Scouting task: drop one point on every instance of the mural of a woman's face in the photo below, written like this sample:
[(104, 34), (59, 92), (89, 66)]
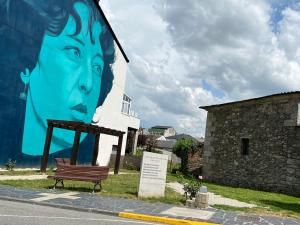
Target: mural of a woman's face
[(65, 84)]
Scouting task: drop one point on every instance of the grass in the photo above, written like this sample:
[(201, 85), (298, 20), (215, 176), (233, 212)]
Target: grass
[(267, 202), (48, 172), (123, 185), (126, 186), (24, 172)]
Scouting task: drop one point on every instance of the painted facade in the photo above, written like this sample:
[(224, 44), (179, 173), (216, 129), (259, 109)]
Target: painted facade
[(112, 114), (56, 59)]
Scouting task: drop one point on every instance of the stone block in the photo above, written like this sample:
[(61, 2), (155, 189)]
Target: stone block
[(289, 123), (201, 200)]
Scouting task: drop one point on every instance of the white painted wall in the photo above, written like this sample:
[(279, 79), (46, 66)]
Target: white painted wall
[(109, 114)]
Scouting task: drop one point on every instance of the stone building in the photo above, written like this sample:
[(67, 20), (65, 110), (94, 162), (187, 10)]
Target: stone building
[(255, 143), (166, 131)]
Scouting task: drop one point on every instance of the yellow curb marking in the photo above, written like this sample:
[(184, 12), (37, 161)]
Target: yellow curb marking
[(162, 219)]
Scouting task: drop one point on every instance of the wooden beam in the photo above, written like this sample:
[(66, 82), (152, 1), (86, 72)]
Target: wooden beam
[(75, 148), (96, 149), (46, 148), (118, 157)]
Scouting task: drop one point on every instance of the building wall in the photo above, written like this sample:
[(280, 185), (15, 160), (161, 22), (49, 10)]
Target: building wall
[(170, 132), (110, 115), (49, 71), (273, 162)]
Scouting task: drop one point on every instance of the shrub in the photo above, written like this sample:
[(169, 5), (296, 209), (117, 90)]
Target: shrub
[(10, 165), (138, 152), (151, 143), (142, 139), (191, 189)]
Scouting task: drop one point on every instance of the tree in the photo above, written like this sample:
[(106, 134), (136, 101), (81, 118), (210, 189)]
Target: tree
[(182, 149), (142, 140), (151, 143)]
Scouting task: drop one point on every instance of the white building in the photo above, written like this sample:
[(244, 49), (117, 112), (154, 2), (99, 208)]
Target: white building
[(116, 114)]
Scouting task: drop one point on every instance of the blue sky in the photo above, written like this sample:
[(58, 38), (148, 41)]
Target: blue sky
[(185, 54), (277, 8)]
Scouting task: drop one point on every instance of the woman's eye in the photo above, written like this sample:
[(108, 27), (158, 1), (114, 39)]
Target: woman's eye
[(72, 52), (97, 69), (76, 52)]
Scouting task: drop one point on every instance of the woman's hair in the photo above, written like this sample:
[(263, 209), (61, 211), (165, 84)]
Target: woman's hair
[(51, 16)]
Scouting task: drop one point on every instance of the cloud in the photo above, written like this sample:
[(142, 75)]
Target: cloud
[(190, 53)]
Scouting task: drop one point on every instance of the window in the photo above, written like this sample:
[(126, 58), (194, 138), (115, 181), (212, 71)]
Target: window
[(126, 104), (245, 146)]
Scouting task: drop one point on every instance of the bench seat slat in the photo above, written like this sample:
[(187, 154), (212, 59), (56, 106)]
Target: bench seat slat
[(76, 178)]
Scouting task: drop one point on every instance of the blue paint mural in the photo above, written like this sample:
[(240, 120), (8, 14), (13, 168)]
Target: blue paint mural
[(55, 58)]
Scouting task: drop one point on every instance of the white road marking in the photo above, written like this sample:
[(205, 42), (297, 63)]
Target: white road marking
[(50, 196), (70, 218)]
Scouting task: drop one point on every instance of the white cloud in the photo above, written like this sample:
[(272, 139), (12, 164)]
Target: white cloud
[(176, 47)]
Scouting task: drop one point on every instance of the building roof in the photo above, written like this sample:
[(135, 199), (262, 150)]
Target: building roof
[(253, 100), (165, 144), (180, 136), (161, 127), (161, 138), (111, 30)]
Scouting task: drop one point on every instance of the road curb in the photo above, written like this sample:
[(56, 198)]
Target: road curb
[(93, 210), (159, 219)]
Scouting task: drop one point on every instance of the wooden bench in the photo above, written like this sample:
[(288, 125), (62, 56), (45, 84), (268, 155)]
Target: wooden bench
[(65, 171)]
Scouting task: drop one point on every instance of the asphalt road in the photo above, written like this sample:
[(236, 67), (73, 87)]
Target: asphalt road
[(17, 213)]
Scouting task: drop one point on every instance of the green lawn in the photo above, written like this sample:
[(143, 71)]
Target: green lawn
[(126, 186), (267, 202), (23, 172), (123, 185)]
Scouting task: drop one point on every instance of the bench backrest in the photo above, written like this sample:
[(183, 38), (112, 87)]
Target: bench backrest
[(62, 161), (88, 172)]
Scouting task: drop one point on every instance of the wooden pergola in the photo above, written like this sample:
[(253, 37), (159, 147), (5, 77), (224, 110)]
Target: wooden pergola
[(79, 127)]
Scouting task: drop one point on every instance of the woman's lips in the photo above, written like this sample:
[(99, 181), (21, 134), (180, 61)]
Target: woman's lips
[(79, 112)]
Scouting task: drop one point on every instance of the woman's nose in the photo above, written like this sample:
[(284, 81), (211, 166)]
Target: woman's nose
[(86, 80)]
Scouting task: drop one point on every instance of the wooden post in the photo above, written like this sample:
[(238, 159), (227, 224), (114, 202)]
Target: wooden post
[(96, 149), (75, 148), (46, 148), (118, 157)]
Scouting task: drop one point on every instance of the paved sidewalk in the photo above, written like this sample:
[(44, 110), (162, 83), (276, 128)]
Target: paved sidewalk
[(113, 206)]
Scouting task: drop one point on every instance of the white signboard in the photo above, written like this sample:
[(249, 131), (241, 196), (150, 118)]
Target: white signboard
[(153, 175)]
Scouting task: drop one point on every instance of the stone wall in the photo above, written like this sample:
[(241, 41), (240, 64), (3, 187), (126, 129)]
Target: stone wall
[(273, 162), (194, 164)]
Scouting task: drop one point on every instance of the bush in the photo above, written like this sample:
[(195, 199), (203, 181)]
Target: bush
[(151, 143), (191, 189), (10, 165), (138, 152), (156, 151), (183, 148), (142, 139)]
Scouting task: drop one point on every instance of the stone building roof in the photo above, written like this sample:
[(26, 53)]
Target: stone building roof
[(276, 97)]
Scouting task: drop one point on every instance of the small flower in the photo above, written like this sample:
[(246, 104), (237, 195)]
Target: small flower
[(200, 177)]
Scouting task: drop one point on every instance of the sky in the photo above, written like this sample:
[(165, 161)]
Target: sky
[(189, 53)]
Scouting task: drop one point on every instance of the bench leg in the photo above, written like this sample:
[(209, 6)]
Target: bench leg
[(96, 184), (59, 181)]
